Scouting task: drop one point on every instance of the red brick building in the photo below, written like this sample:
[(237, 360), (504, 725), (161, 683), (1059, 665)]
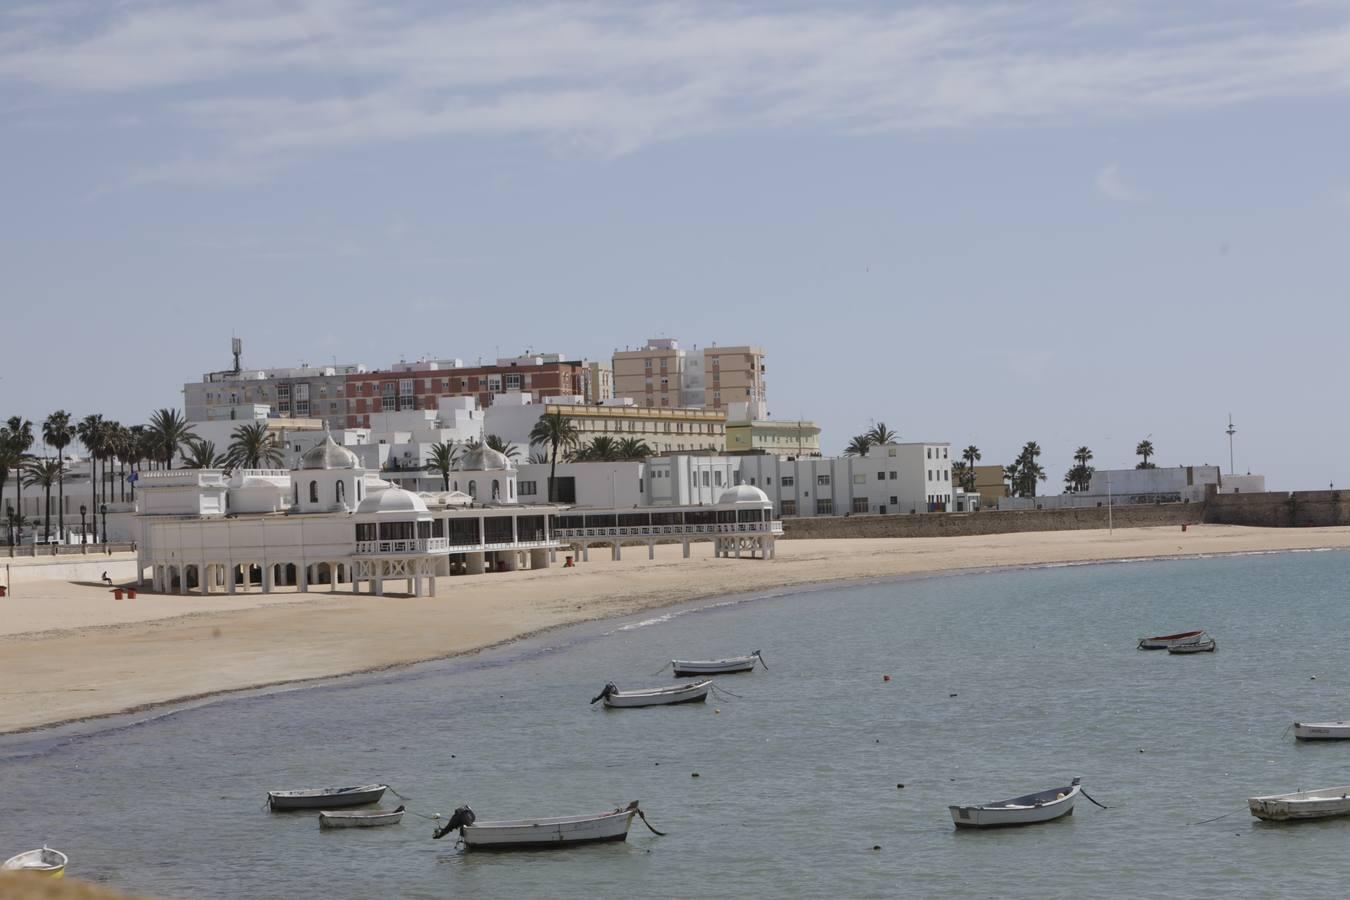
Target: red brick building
[(418, 385)]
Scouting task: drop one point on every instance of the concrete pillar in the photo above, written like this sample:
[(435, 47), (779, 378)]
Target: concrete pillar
[(411, 581), (552, 557), (651, 549), (473, 563), (268, 582), (231, 576), (738, 547), (203, 579), (540, 559), (416, 585), (378, 588), (431, 585), (302, 577), (686, 548), (585, 552), (618, 554)]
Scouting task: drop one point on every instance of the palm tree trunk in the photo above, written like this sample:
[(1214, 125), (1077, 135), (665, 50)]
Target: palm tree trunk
[(93, 492), (61, 499), (553, 468), (18, 500), (47, 522)]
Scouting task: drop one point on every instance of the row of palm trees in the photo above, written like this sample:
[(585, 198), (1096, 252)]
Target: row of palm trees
[(1024, 472), (876, 436), (109, 443)]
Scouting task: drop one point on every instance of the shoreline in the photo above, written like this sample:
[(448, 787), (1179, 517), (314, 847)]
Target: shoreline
[(154, 664)]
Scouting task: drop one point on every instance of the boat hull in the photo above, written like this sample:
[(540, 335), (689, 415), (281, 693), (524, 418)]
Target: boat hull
[(691, 693), (327, 798), (1322, 731), (330, 819), (1193, 647), (1012, 814), (732, 666), (1165, 641), (48, 862), (572, 831), (1302, 805)]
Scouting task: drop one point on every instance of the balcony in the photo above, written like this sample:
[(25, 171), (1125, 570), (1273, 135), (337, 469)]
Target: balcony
[(409, 545)]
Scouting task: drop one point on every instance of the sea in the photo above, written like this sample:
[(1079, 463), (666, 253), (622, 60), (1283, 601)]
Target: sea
[(826, 774)]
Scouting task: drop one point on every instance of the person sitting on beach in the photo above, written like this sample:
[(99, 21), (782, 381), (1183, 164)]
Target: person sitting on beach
[(106, 579)]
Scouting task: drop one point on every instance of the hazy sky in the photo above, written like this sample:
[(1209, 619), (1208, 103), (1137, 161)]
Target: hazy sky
[(1079, 223)]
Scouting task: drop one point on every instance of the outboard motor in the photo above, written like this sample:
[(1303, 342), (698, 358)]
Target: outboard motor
[(609, 690), (462, 816)]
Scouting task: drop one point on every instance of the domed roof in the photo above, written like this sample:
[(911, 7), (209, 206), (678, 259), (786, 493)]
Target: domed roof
[(329, 455), (743, 493), (483, 459), (392, 500)]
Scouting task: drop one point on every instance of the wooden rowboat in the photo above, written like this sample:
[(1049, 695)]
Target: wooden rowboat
[(46, 861), (1163, 641), (729, 666), (1029, 809), (1322, 731), (1318, 804), (534, 834), (691, 692), (326, 798), (360, 818), (1205, 646)]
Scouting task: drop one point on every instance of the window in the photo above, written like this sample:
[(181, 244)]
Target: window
[(339, 492), (789, 508), (473, 489), (822, 481), (860, 504), (528, 488), (513, 382), (860, 479), (387, 395), (881, 476), (892, 476), (705, 478), (824, 507), (284, 398), (787, 481), (496, 490), (647, 364), (302, 399), (946, 474), (405, 393), (944, 452), (717, 478), (494, 383), (895, 501), (930, 452), (313, 492)]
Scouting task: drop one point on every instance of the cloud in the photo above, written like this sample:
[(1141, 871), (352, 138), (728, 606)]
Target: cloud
[(1112, 185), (258, 86)]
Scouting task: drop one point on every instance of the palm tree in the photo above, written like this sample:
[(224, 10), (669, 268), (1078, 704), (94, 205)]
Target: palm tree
[(971, 455), (1013, 475), (58, 433), (633, 448), (11, 460), (92, 431), (20, 431), (1145, 449), (119, 448), (252, 447), (858, 445), (1029, 470), (171, 431), (1080, 476), (602, 448), (202, 455), (538, 457), (442, 460), (555, 431), (881, 435), (505, 448), (959, 473), (44, 473)]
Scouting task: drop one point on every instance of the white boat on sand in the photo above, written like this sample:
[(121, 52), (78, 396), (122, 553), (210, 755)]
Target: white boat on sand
[(729, 666), (691, 692), (326, 798), (46, 861), (1029, 809), (1322, 731), (1319, 804), (534, 834), (360, 818), (1164, 641)]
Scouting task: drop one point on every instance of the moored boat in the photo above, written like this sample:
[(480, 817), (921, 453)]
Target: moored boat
[(360, 818), (1319, 804), (691, 692), (528, 834), (46, 861), (1322, 731), (1206, 646), (729, 666), (1164, 641), (326, 798), (1029, 809)]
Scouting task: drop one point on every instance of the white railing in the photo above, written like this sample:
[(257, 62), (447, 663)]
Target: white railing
[(407, 545), (622, 531), (263, 473)]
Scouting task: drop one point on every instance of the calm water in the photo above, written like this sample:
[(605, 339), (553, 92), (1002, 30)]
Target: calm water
[(797, 776)]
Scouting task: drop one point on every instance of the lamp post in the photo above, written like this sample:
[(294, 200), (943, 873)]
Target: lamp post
[(103, 508), (84, 533)]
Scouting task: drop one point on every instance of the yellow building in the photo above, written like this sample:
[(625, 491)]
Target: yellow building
[(665, 430), (782, 438), (662, 374), (989, 485)]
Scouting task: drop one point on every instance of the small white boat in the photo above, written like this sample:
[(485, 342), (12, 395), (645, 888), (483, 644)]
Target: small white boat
[(691, 692), (326, 798), (1164, 641), (1029, 809), (46, 861), (359, 818), (1322, 731), (1319, 804), (729, 666), (531, 834), (1205, 646)]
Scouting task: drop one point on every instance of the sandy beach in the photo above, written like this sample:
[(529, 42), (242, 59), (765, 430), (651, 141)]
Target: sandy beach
[(69, 651)]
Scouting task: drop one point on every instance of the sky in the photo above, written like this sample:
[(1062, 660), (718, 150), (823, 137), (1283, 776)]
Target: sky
[(1079, 223)]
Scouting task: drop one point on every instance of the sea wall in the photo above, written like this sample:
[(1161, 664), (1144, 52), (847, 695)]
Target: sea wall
[(1279, 509), (990, 521), (121, 568)]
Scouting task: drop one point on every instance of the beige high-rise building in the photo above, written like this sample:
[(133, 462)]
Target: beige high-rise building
[(662, 374)]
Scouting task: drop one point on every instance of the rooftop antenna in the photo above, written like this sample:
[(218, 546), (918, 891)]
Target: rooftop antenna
[(1230, 432), (237, 348)]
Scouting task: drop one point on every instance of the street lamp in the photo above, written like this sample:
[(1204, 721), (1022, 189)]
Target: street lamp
[(84, 533), (103, 508)]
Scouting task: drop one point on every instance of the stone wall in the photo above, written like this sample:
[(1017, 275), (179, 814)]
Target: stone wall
[(990, 522), (1279, 509)]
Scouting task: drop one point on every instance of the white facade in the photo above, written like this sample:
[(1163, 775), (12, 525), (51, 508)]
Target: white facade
[(894, 478)]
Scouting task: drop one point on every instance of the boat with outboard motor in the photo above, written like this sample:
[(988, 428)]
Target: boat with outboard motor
[(1164, 641), (534, 834), (692, 692)]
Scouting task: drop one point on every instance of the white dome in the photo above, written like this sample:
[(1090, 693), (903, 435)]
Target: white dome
[(744, 493), (392, 500), (483, 459), (329, 455)]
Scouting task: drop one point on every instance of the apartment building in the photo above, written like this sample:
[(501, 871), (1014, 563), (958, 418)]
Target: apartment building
[(304, 392), (420, 385), (663, 374), (665, 430), (750, 430)]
